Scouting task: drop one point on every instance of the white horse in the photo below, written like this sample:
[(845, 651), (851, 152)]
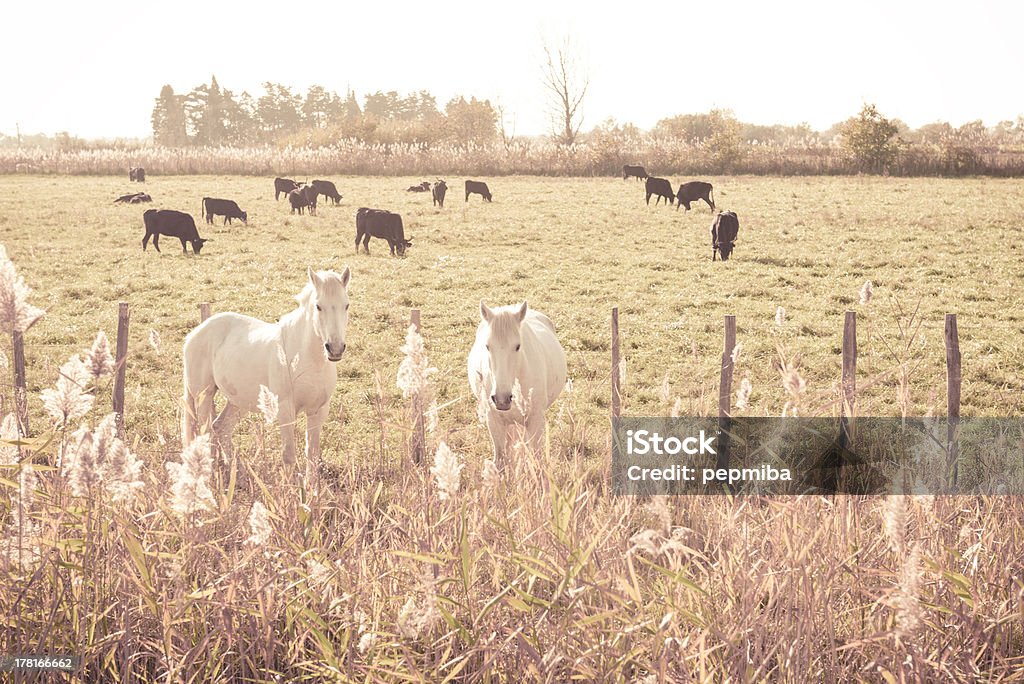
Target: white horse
[(515, 348), (295, 358)]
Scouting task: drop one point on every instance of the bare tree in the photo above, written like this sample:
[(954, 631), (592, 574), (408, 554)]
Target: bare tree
[(566, 83), (506, 138)]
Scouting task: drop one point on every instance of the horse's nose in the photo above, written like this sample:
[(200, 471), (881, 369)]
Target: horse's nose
[(334, 351), (502, 402)]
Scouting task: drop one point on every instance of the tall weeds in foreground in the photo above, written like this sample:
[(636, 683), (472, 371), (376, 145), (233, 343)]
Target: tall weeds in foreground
[(482, 572)]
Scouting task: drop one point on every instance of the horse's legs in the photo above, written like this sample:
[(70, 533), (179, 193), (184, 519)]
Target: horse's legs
[(203, 402), (535, 430), (224, 427), (286, 419), (499, 435), (313, 423)]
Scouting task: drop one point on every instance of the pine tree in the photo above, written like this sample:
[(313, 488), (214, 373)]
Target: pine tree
[(169, 119)]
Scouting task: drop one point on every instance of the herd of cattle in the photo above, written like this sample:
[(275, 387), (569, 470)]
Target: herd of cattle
[(724, 229), (387, 225)]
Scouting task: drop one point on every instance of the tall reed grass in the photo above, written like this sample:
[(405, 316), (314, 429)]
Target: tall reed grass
[(522, 157)]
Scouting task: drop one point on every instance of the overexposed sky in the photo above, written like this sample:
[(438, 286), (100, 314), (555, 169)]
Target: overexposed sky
[(94, 69)]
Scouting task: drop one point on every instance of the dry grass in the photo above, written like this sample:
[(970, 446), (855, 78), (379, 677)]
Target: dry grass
[(603, 157), (537, 573)]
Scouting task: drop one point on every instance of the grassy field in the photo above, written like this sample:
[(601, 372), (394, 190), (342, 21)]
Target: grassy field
[(538, 575), (573, 248)]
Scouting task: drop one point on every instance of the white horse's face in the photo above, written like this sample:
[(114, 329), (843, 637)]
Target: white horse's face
[(503, 352), (330, 310)]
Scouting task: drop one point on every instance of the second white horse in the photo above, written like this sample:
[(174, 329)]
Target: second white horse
[(516, 351)]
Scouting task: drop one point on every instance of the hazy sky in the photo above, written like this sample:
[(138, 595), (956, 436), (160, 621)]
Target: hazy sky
[(94, 69)]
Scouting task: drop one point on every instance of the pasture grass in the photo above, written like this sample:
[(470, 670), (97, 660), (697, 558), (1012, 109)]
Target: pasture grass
[(573, 248), (539, 573)]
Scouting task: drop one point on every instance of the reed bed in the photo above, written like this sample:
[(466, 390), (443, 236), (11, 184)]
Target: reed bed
[(521, 157)]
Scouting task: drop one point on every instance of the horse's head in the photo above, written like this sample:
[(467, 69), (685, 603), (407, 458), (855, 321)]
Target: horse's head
[(330, 309), (503, 340)]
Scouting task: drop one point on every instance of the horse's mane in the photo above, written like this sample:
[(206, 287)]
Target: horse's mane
[(306, 295), (505, 321)]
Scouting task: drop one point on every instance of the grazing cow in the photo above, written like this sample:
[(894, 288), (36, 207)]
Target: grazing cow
[(476, 187), (382, 224), (693, 191), (135, 198), (723, 234), (222, 207), (659, 187), (327, 189), (302, 198), (136, 174), (173, 224), (440, 188), (284, 186), (311, 195), (422, 187), (637, 171)]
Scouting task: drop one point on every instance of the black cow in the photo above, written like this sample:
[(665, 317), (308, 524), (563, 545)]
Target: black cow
[(302, 198), (284, 185), (693, 191), (380, 224), (659, 187), (327, 189), (173, 224), (136, 174), (478, 188), (135, 198), (637, 171), (723, 234), (422, 187), (222, 207), (440, 188)]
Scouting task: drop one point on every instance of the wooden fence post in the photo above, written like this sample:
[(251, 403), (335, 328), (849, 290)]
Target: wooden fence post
[(120, 359), (204, 311), (616, 405), (20, 382), (725, 392), (847, 406), (418, 439), (953, 379)]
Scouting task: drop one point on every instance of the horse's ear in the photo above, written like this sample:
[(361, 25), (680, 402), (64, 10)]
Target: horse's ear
[(485, 313), (522, 311), (313, 277), (346, 276)]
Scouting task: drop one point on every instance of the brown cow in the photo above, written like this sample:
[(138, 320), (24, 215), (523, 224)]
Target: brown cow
[(723, 234), (693, 191)]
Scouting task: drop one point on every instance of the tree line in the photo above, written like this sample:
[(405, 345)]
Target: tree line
[(211, 116)]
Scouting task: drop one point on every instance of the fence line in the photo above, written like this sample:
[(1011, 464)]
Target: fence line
[(121, 358), (725, 391), (20, 382), (953, 378), (418, 438)]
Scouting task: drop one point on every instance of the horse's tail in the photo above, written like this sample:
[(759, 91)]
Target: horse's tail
[(188, 409)]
